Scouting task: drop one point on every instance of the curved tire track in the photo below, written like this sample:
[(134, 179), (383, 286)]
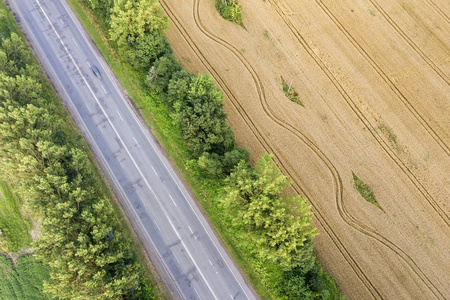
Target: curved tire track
[(337, 180), (322, 221), (405, 101), (352, 104)]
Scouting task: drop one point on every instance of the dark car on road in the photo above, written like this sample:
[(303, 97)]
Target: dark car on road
[(95, 71)]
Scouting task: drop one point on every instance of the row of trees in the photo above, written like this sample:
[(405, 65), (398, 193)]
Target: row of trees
[(276, 226), (89, 254), (137, 27)]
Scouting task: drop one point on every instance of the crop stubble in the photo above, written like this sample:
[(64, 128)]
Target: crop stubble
[(357, 67)]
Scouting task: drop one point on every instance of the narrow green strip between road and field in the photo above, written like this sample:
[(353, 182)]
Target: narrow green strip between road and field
[(206, 189)]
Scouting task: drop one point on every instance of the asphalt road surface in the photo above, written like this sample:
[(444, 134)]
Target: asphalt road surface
[(184, 248)]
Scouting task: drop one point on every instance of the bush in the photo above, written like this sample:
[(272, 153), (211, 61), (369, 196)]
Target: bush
[(230, 10)]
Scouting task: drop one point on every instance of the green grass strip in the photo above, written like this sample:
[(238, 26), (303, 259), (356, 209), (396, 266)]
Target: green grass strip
[(14, 227), (25, 281)]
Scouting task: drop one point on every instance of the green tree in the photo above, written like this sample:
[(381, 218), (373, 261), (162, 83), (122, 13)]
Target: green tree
[(178, 88), (161, 72), (80, 239), (202, 118), (104, 6), (17, 55), (149, 49), (256, 199), (132, 20)]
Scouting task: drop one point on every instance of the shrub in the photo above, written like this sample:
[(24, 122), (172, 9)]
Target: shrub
[(230, 10)]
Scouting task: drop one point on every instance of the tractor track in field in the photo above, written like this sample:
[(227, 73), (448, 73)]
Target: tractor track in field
[(322, 221), (361, 116), (352, 104), (409, 41), (384, 76), (297, 186), (439, 10)]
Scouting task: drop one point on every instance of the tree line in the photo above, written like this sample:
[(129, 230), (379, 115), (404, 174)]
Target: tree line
[(255, 202), (80, 237)]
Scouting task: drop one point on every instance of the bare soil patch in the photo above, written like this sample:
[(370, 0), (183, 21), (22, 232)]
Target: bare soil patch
[(374, 79)]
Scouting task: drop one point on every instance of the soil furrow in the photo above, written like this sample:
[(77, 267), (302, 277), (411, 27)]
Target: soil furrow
[(338, 182)]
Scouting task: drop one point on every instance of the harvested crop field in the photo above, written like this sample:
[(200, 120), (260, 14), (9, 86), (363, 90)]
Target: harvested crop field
[(374, 80)]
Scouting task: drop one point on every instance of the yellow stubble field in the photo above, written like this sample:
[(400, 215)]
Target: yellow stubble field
[(374, 80)]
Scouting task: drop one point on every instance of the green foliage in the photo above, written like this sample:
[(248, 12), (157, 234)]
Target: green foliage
[(202, 118), (365, 191), (132, 20), (14, 227), (290, 93), (230, 10), (266, 277), (161, 72), (392, 138), (255, 198), (81, 239), (103, 6), (149, 49), (25, 281)]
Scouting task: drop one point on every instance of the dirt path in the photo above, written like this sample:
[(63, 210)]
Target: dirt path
[(374, 80)]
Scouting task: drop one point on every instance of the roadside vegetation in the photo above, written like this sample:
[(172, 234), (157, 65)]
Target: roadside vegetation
[(365, 191), (268, 232), (82, 238), (14, 227), (290, 93), (230, 10), (25, 281)]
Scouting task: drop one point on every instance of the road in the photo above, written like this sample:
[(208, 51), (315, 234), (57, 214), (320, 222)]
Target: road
[(182, 244)]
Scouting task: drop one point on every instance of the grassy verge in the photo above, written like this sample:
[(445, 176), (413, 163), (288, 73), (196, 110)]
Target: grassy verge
[(290, 93), (230, 10), (14, 226), (25, 281), (365, 191), (206, 189)]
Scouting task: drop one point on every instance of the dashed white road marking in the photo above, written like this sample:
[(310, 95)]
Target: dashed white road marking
[(140, 147), (173, 200), (196, 292), (211, 263), (176, 258), (76, 44), (119, 114), (154, 171), (158, 227), (104, 89), (190, 229), (136, 165)]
